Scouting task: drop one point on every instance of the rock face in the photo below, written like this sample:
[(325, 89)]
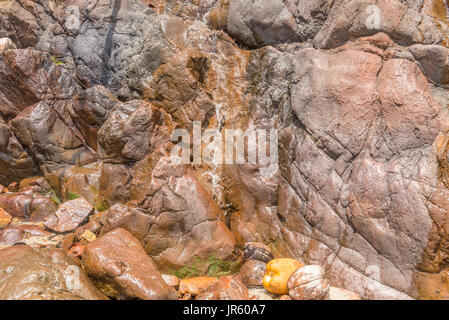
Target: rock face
[(119, 264), (42, 274), (356, 91), (188, 223)]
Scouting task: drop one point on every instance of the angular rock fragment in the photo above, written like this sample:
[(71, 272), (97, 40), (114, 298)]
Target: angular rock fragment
[(50, 140), (27, 206), (133, 220), (69, 215), (133, 131)]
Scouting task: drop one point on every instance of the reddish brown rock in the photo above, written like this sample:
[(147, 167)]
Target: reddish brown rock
[(27, 206), (113, 185), (133, 220), (190, 288), (28, 274), (89, 111), (13, 187), (69, 215), (35, 184), (16, 205), (188, 224), (252, 273), (119, 264), (134, 130), (76, 250), (227, 288)]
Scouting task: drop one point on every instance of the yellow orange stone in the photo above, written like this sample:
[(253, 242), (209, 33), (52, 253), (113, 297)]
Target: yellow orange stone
[(277, 274), (89, 236), (5, 218)]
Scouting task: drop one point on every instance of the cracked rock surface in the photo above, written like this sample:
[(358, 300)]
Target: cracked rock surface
[(92, 91)]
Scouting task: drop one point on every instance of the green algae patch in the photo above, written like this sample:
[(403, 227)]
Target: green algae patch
[(56, 61), (102, 206), (211, 267), (72, 196)]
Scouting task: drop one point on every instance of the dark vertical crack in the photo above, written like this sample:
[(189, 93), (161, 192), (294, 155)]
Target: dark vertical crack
[(106, 56)]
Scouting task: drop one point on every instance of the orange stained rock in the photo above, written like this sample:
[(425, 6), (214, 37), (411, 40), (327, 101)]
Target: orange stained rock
[(440, 11), (278, 273), (5, 218), (194, 286)]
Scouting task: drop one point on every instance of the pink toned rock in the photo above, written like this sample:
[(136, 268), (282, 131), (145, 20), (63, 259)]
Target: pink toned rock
[(69, 215)]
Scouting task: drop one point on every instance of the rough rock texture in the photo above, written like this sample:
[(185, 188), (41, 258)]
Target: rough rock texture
[(69, 215), (346, 164), (190, 288), (43, 274), (188, 223), (308, 283), (227, 288), (122, 269), (356, 89)]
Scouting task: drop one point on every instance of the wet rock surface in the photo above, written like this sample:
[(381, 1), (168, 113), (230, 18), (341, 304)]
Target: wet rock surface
[(252, 273), (357, 91), (43, 274), (69, 215), (118, 262)]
